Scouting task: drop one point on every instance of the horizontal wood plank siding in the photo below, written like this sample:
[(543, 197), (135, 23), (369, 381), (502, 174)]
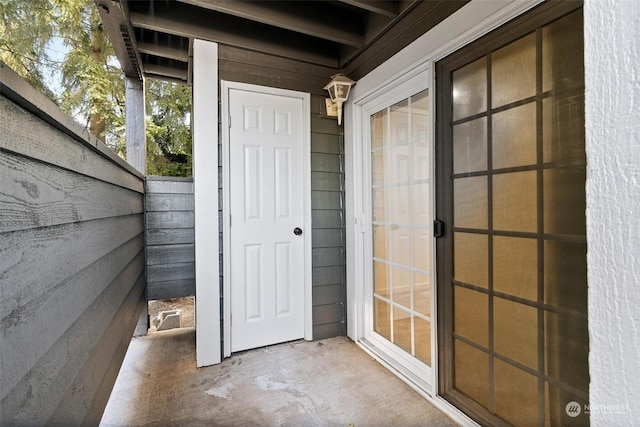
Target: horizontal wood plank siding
[(72, 262), (328, 247), (170, 238), (327, 175)]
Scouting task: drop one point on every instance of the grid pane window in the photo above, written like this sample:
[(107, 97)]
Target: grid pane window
[(401, 209)]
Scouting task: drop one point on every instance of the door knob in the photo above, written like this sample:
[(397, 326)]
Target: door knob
[(297, 231)]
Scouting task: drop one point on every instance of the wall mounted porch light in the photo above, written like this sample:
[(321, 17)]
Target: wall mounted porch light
[(338, 89)]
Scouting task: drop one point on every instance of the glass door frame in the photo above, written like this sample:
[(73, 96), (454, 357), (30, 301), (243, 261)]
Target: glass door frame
[(418, 373)]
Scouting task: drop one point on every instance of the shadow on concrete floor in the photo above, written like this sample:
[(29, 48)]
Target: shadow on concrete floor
[(320, 383)]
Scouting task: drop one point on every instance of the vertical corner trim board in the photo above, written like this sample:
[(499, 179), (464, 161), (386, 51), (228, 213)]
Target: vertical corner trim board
[(207, 249)]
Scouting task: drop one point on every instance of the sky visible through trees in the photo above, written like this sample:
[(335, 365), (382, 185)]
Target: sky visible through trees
[(61, 48)]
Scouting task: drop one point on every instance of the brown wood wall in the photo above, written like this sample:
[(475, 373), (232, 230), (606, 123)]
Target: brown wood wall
[(72, 262), (327, 175)]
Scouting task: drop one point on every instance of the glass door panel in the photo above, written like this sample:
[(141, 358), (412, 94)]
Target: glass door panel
[(514, 336), (401, 210)]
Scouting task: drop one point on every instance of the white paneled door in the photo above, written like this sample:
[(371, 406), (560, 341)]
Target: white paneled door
[(267, 219)]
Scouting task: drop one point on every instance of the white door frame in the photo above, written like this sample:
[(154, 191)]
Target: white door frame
[(400, 89), (226, 199)]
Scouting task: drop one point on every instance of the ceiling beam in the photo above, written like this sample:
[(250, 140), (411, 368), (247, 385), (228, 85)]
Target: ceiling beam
[(161, 44), (171, 73), (381, 7), (192, 22), (163, 51), (311, 18)]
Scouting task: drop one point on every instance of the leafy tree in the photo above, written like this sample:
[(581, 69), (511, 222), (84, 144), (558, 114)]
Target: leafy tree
[(91, 83), (25, 30), (168, 128)]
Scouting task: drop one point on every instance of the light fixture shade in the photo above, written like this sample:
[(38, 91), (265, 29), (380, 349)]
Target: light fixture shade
[(339, 87)]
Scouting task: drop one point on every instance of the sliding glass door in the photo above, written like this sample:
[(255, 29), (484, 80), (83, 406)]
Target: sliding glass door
[(512, 265)]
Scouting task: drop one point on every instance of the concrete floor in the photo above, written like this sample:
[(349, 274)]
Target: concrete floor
[(321, 383)]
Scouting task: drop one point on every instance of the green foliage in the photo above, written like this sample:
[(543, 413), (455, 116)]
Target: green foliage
[(168, 129), (91, 83), (25, 29)]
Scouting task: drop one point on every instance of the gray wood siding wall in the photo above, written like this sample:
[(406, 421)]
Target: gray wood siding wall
[(71, 262), (170, 238), (327, 175)]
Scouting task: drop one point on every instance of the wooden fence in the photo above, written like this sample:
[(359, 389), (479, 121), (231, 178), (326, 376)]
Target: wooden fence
[(170, 238), (72, 262)]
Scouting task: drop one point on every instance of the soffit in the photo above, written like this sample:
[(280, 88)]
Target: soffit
[(154, 38)]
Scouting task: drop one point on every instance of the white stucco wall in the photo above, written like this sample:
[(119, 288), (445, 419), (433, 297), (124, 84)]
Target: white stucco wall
[(612, 66)]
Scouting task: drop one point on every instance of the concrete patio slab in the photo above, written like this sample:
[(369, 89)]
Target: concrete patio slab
[(320, 383)]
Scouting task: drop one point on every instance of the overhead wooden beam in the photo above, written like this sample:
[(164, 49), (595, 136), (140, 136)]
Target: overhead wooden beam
[(162, 44), (160, 77), (171, 73), (310, 18), (381, 7), (170, 52), (193, 22)]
